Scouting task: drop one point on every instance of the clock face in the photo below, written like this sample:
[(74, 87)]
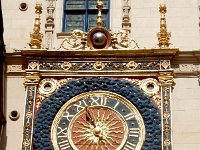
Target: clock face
[(98, 120)]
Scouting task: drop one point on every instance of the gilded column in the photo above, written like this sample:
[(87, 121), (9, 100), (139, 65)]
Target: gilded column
[(166, 83), (31, 81)]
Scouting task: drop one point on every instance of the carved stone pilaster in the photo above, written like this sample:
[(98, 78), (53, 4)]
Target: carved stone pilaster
[(49, 25), (126, 24), (31, 82), (166, 83)]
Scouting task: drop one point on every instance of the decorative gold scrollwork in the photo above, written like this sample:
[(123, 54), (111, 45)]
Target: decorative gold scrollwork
[(76, 41), (120, 40), (79, 40)]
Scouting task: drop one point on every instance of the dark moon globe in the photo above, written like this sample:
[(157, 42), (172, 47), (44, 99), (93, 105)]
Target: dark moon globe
[(99, 40)]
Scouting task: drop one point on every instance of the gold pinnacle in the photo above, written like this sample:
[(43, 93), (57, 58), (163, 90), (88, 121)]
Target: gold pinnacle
[(99, 17), (36, 36), (163, 35)]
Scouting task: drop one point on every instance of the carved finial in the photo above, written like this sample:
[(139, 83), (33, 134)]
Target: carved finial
[(99, 17), (36, 36), (163, 35)]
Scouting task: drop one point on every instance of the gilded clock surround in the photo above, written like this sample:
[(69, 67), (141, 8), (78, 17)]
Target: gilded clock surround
[(119, 67), (49, 108)]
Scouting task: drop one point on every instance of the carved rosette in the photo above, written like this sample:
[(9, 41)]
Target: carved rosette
[(167, 82)]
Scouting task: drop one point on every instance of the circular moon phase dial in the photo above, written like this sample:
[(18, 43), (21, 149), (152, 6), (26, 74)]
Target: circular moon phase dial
[(99, 38)]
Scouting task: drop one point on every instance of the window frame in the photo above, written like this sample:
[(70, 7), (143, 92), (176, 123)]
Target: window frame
[(86, 12)]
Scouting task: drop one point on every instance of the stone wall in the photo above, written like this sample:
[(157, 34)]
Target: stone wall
[(186, 114)]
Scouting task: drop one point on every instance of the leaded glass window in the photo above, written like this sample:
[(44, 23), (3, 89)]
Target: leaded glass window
[(82, 14)]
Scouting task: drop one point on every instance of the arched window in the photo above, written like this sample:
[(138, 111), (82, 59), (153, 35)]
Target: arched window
[(82, 14)]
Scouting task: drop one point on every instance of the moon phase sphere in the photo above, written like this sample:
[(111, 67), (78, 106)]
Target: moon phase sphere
[(99, 40)]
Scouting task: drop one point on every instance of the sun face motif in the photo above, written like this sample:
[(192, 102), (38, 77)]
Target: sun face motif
[(97, 128), (98, 120)]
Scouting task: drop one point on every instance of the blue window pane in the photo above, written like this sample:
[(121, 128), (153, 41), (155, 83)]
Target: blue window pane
[(92, 19), (74, 21), (75, 4)]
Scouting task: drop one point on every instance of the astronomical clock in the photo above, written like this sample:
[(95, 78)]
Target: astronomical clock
[(98, 91)]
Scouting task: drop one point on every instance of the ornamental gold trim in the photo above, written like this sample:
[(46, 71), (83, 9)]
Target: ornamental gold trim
[(166, 82), (150, 87), (36, 36), (163, 35), (47, 86), (28, 118)]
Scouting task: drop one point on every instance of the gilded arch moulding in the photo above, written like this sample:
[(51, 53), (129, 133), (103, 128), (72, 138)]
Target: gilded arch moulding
[(54, 84)]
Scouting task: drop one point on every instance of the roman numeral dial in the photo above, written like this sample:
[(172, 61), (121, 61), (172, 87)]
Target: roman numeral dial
[(98, 120)]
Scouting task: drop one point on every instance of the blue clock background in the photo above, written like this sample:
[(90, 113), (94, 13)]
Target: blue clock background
[(48, 110)]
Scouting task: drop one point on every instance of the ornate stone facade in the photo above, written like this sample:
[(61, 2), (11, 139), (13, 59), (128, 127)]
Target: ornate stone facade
[(68, 56)]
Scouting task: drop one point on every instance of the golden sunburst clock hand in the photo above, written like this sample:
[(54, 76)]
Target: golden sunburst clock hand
[(89, 117)]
